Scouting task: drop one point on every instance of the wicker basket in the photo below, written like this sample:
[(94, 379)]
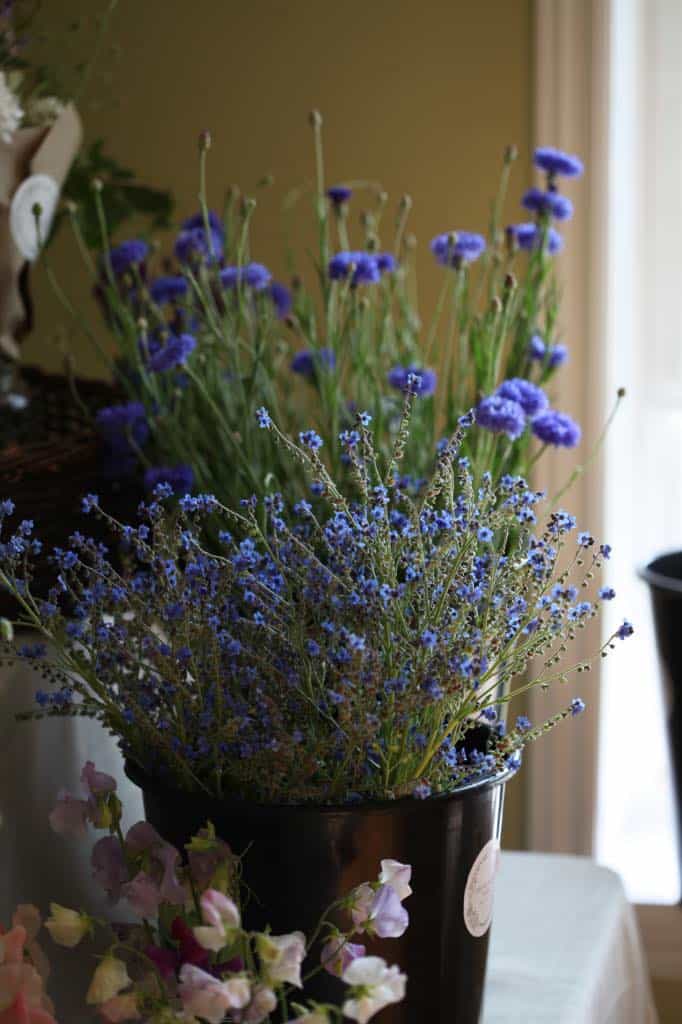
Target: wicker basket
[(50, 456)]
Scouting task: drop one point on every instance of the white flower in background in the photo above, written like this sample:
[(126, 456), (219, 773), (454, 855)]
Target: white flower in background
[(282, 956), (67, 927), (397, 875), (110, 977), (373, 985), (10, 110), (43, 110)]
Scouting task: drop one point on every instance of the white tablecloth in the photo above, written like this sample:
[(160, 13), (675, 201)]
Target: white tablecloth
[(564, 947)]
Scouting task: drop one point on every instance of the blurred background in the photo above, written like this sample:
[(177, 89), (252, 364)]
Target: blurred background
[(424, 98)]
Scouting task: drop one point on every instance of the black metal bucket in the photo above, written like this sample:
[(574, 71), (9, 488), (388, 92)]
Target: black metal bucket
[(664, 576), (302, 858)]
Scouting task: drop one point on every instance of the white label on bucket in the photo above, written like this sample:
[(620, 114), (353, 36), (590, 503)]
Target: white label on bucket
[(480, 889), (40, 189)]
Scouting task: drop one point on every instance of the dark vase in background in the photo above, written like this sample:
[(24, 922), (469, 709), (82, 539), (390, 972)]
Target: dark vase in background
[(302, 858), (664, 576)]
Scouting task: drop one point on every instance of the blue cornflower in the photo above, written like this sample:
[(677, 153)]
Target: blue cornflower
[(263, 418), (365, 267), (626, 630), (556, 428), (175, 352), (179, 479), (313, 648), (311, 439), (501, 415), (197, 221), (607, 593), (6, 507), (387, 262), (558, 354), (168, 289), (485, 535), (453, 248), (253, 275), (194, 244), (529, 236), (421, 382), (577, 706), (116, 422), (551, 202), (530, 397), (281, 299), (536, 347), (555, 161), (339, 194), (128, 254), (309, 361)]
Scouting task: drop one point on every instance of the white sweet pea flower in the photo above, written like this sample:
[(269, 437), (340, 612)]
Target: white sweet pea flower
[(221, 917), (11, 113), (207, 997), (398, 876), (263, 1002), (373, 985), (110, 977), (67, 927), (282, 956)]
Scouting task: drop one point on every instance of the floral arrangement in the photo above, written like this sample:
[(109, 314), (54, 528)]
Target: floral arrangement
[(33, 95), (188, 956), (348, 647), (206, 337)]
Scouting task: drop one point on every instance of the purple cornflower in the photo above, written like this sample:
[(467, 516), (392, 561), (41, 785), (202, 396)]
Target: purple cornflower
[(453, 248), (168, 289), (281, 299), (308, 362), (556, 428), (128, 254), (626, 630), (174, 353), (555, 161), (536, 347), (558, 354), (194, 244), (253, 275), (501, 415), (116, 423), (551, 202), (197, 221), (339, 194), (529, 236), (577, 706), (421, 382), (179, 478), (530, 397), (364, 265), (387, 262)]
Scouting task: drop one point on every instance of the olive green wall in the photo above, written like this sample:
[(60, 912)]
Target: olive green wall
[(422, 96)]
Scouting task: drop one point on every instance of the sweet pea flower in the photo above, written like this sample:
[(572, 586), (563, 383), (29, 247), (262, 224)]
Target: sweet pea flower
[(263, 1002), (143, 838), (22, 997), (314, 1017), (338, 953), (373, 985), (282, 956), (29, 918), (379, 911), (209, 998), (67, 927), (143, 895), (96, 782), (70, 815), (109, 866), (220, 915), (120, 1008), (110, 978), (398, 876)]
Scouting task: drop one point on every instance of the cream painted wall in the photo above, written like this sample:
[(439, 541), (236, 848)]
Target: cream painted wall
[(423, 96)]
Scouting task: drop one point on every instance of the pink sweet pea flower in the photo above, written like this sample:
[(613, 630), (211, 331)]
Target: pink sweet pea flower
[(20, 1012), (263, 1002), (379, 912), (120, 1008), (96, 782), (143, 838), (29, 917), (22, 1000), (70, 815), (398, 876), (207, 997), (337, 954), (221, 917), (143, 895), (109, 867)]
